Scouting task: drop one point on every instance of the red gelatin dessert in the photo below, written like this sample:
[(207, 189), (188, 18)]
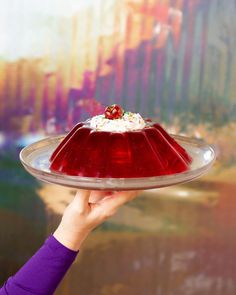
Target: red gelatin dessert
[(119, 145)]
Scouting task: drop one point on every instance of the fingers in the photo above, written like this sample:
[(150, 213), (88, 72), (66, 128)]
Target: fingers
[(120, 198), (102, 204), (110, 204), (96, 196)]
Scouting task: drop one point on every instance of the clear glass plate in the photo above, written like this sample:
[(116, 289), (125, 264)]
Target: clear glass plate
[(35, 159)]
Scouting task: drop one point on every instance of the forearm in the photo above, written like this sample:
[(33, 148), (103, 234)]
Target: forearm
[(43, 272)]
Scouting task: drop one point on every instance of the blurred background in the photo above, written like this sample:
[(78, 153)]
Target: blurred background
[(172, 60)]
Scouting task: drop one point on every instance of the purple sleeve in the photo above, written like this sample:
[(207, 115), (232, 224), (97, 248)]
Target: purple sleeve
[(43, 272)]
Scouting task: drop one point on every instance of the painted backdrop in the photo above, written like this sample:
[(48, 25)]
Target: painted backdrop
[(62, 61)]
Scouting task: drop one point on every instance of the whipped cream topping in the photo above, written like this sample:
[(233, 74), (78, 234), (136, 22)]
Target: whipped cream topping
[(128, 122)]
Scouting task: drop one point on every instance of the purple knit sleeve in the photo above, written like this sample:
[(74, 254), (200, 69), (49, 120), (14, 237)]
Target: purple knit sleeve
[(43, 272)]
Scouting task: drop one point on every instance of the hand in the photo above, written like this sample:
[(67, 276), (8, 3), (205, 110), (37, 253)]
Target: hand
[(87, 211)]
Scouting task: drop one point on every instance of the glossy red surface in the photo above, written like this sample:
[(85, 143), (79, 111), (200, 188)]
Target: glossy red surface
[(142, 153)]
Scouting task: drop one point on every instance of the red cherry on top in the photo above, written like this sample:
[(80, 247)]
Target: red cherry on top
[(114, 111)]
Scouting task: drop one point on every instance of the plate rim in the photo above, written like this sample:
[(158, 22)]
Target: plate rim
[(187, 175)]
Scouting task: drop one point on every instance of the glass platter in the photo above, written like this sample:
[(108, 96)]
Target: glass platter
[(35, 159)]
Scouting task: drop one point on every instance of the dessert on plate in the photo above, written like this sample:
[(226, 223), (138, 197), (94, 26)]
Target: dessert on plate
[(119, 144)]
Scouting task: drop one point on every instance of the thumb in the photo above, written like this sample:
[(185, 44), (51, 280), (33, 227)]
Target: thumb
[(81, 200)]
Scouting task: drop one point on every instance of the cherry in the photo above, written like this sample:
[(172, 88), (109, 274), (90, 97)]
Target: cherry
[(114, 111)]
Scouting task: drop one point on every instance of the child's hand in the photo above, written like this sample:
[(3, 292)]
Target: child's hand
[(85, 212)]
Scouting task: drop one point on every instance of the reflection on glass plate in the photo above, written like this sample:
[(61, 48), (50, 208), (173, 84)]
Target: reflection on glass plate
[(35, 159)]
